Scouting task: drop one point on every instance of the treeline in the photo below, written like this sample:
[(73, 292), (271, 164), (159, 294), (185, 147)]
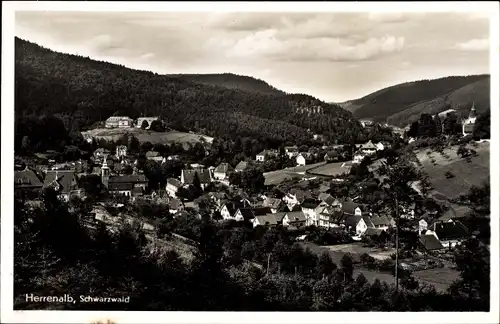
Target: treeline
[(429, 126), (231, 81), (54, 250), (392, 100), (88, 91)]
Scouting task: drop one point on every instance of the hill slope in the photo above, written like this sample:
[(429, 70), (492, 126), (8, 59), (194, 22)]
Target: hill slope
[(84, 91), (403, 103), (231, 81)]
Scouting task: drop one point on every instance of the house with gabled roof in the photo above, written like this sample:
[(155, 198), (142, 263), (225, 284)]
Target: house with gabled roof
[(173, 185), (188, 175), (450, 233), (368, 148), (229, 209), (351, 208), (244, 214), (269, 220), (296, 219), (64, 182), (242, 166), (291, 151), (296, 196), (357, 223), (274, 204), (383, 222), (119, 122), (27, 182), (221, 172), (430, 242)]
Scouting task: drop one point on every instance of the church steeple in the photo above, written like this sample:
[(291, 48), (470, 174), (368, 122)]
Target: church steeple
[(105, 172), (472, 113)]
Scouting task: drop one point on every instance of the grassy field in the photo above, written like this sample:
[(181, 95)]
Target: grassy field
[(332, 169), (147, 136), (441, 278), (278, 176), (467, 174)]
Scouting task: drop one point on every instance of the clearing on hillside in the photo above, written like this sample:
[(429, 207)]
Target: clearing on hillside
[(332, 169), (465, 173), (148, 136), (279, 176)]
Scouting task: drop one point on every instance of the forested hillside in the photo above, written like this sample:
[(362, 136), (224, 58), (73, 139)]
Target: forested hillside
[(231, 81), (82, 91), (403, 103)]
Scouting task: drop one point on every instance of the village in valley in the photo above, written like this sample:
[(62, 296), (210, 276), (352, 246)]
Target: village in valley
[(310, 198), (174, 161)]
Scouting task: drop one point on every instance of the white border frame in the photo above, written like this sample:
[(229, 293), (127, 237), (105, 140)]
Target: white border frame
[(6, 297)]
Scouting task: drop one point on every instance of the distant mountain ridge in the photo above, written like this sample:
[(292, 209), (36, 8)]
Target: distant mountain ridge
[(231, 81), (84, 91), (402, 104)]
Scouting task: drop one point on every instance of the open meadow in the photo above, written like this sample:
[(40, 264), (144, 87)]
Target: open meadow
[(148, 136), (465, 173), (278, 176)]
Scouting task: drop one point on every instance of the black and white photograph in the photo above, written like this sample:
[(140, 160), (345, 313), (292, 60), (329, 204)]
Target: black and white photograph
[(275, 159)]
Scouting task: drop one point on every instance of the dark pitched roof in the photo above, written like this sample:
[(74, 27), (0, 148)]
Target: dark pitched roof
[(279, 216), (247, 213), (26, 179), (327, 198), (430, 242), (223, 168), (455, 212), (296, 216), (120, 186), (381, 220), (310, 203), (203, 175), (241, 166), (450, 230), (128, 178), (174, 182), (65, 179), (373, 231), (349, 206), (268, 219), (272, 202), (262, 211), (294, 208), (352, 220)]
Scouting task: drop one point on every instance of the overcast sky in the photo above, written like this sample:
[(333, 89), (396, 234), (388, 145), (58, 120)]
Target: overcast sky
[(332, 56)]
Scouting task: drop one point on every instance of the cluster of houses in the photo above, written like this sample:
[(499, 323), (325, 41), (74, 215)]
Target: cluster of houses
[(305, 158), (127, 122)]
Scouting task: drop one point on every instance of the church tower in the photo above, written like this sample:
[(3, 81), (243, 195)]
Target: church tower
[(468, 124), (105, 173)]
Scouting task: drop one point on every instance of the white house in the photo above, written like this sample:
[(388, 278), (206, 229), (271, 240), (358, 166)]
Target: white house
[(359, 224), (121, 150), (291, 151), (422, 225), (119, 122), (380, 146), (173, 186), (368, 148), (261, 157), (309, 209), (149, 120), (221, 172), (301, 160), (244, 214), (358, 157)]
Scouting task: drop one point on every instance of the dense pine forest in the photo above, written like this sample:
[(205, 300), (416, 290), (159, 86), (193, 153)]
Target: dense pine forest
[(231, 81), (402, 104), (81, 92)]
